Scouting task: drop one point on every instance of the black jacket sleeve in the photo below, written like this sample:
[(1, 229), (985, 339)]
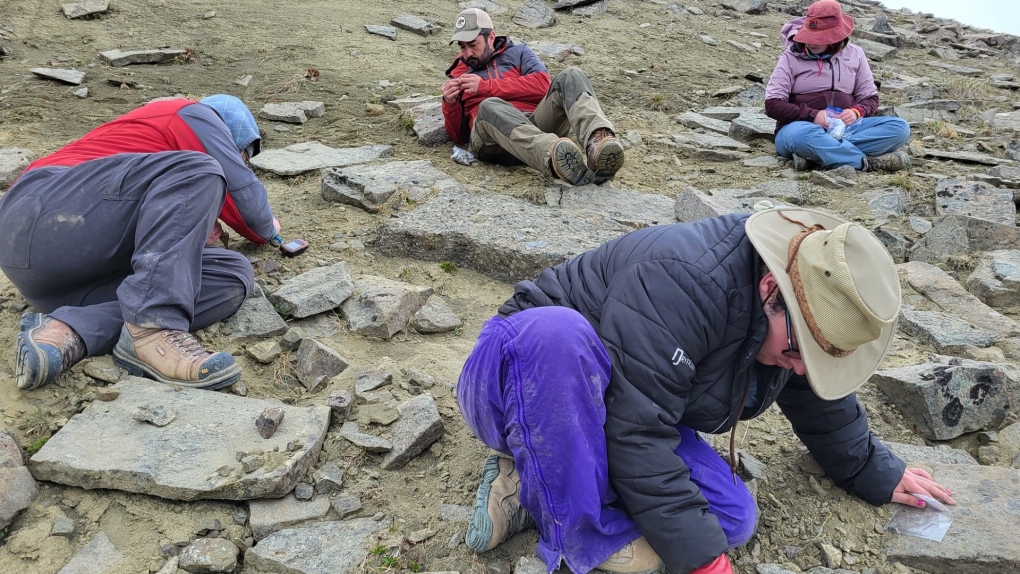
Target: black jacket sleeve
[(647, 320), (836, 432)]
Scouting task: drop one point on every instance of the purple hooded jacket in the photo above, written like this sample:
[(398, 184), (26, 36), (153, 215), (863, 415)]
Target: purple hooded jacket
[(801, 86)]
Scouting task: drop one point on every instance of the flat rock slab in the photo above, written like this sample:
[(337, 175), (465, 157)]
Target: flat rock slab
[(292, 112), (85, 8), (975, 199), (693, 204), (947, 399), (1006, 121), (18, 491), (268, 516), (370, 186), (710, 141), (948, 334), (631, 208), (315, 291), (961, 70), (966, 156), (730, 113), (982, 538), (66, 75), (309, 156), (939, 288), (693, 120), (876, 51), (119, 57), (500, 236), (914, 455), (751, 127), (382, 307), (13, 161), (384, 31), (417, 428), (416, 25), (192, 458), (323, 548), (428, 124), (958, 235), (996, 278), (534, 14), (256, 318), (554, 50), (99, 556)]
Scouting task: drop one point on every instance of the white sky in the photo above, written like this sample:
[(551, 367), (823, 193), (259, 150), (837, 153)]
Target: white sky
[(998, 15)]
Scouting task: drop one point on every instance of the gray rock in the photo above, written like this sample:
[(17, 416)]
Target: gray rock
[(62, 526), (1006, 121), (340, 402), (369, 187), (404, 104), (694, 120), (751, 465), (534, 14), (303, 492), (693, 204), (554, 50), (415, 25), (961, 70), (18, 491), (429, 124), (323, 548), (965, 156), (156, 414), (417, 428), (13, 161), (382, 307), (882, 25), (292, 112), (207, 555), (766, 161), (708, 40), (264, 352), (746, 6), (959, 236), (315, 291), (593, 10), (942, 290), (742, 47), (317, 362), (631, 208), (729, 113), (371, 443), (751, 127), (876, 51), (894, 243), (489, 6), (268, 516), (10, 452), (948, 334), (982, 537), (346, 504), (530, 565), (328, 479), (384, 31), (268, 421), (457, 513), (505, 238), (210, 429), (99, 556), (996, 278), (68, 76), (946, 400), (435, 316), (255, 318), (126, 57), (917, 113), (710, 141), (309, 156), (84, 8), (568, 4), (1005, 172), (914, 454)]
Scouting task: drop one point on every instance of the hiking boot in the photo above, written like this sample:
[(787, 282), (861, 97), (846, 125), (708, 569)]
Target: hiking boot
[(498, 512), (636, 557), (894, 161), (173, 357), (567, 162), (801, 163), (46, 348), (605, 155)]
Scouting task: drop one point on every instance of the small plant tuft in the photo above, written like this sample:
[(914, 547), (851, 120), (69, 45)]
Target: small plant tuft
[(448, 266), (658, 102), (378, 550)]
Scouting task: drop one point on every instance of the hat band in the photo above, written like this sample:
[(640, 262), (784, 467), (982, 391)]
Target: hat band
[(798, 289)]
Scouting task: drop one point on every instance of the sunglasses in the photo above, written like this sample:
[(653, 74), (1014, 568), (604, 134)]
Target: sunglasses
[(791, 352)]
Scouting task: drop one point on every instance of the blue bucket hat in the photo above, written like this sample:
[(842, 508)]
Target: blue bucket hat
[(239, 120)]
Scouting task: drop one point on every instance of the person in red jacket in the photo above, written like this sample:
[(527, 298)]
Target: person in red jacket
[(110, 237), (500, 104)]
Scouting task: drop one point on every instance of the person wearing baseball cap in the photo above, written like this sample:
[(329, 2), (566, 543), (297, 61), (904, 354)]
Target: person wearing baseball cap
[(594, 380), (499, 103), (821, 79)]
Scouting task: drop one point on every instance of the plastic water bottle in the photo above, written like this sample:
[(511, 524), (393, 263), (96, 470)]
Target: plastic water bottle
[(836, 126)]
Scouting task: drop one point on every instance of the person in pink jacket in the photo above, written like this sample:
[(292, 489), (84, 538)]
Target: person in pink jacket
[(821, 78)]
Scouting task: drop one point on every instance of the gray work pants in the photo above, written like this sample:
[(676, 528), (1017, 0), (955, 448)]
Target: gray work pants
[(122, 238), (505, 135)]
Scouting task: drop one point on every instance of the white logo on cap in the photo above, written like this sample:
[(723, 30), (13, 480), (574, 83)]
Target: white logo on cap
[(461, 21)]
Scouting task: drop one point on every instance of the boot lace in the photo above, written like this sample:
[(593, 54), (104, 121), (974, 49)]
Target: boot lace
[(185, 343)]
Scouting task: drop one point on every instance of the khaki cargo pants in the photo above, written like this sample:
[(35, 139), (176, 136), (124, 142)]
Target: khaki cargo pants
[(504, 135)]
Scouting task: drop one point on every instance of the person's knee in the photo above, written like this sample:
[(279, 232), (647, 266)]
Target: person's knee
[(900, 129), (490, 108), (743, 518), (557, 323)]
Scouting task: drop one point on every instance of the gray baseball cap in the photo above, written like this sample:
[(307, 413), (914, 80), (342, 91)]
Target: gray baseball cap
[(469, 23)]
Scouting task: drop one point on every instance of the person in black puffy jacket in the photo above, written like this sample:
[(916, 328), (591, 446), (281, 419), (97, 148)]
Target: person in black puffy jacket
[(594, 379)]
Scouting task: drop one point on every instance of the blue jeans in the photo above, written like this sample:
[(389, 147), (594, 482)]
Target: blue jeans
[(533, 388), (865, 137)]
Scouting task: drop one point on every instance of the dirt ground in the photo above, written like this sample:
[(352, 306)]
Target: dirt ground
[(283, 44)]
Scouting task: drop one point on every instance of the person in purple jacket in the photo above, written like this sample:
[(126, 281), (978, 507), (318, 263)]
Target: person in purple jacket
[(819, 71)]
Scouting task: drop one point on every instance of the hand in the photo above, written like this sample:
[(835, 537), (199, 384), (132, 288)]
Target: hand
[(720, 565), (276, 225), (849, 116), (450, 90), (917, 481), (469, 83), (821, 120), (215, 234)]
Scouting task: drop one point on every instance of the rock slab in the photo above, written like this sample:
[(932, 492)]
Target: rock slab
[(323, 548), (417, 428), (309, 156), (13, 161), (66, 75), (120, 57), (98, 556), (192, 458)]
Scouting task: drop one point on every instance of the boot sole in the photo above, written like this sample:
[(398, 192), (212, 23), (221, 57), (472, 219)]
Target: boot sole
[(479, 532), (138, 369), (568, 163), (655, 570), (608, 161), (32, 369)]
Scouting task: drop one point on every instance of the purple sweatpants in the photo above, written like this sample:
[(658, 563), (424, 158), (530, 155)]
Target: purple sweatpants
[(533, 389)]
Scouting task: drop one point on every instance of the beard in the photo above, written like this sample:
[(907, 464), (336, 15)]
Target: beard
[(478, 63)]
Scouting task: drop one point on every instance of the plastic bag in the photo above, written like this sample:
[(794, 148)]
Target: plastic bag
[(836, 126), (463, 156), (931, 522)]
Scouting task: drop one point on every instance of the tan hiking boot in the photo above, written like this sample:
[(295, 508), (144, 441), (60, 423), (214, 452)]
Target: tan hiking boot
[(46, 348), (498, 512), (894, 161), (173, 357), (605, 154), (567, 162), (635, 558)]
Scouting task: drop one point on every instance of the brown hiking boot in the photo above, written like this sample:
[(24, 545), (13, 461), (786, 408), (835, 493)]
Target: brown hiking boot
[(46, 348), (567, 161), (498, 512), (894, 161), (173, 357), (635, 558), (605, 154)]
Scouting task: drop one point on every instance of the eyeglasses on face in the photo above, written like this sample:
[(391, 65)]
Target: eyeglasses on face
[(791, 352)]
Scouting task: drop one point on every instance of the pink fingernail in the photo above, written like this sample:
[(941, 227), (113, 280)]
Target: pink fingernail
[(920, 503), (949, 491)]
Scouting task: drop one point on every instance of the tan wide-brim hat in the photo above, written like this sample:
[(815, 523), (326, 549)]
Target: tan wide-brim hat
[(842, 291)]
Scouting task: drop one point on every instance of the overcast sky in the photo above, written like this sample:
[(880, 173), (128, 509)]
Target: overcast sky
[(998, 15)]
